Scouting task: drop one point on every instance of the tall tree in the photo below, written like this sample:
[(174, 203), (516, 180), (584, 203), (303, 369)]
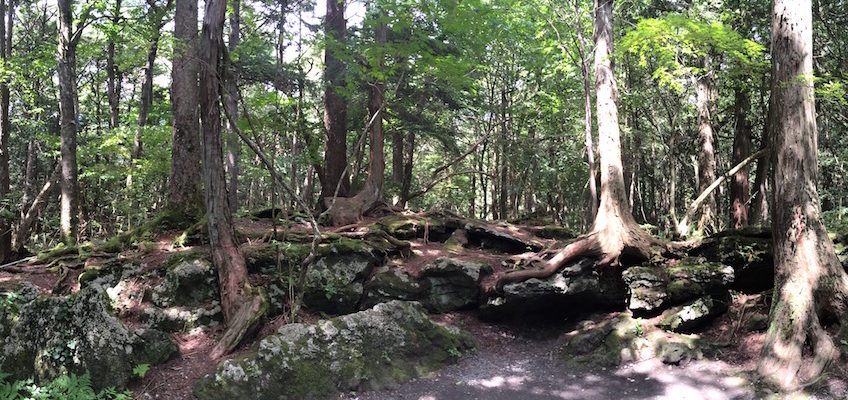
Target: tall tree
[(232, 99), (243, 306), (113, 75), (587, 113), (184, 189), (68, 112), (614, 232), (810, 285), (741, 150), (7, 12), (706, 148), (335, 105), (156, 19)]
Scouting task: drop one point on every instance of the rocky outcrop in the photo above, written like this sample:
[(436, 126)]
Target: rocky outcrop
[(392, 283), (488, 237), (748, 252), (188, 283), (335, 284), (377, 348), (578, 287), (452, 284), (694, 314), (654, 288), (52, 336)]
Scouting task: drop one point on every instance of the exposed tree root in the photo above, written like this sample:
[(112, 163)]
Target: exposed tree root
[(241, 323)]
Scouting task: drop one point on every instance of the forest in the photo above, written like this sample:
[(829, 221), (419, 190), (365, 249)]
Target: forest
[(423, 199)]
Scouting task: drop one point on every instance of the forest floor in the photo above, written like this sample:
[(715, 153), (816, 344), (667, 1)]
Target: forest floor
[(512, 361)]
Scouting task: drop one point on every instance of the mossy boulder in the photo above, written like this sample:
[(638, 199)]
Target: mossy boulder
[(183, 319), (576, 288), (695, 314), (750, 254), (391, 283), (694, 277), (188, 283), (433, 226), (452, 284), (53, 336), (486, 236), (648, 288), (14, 297), (335, 283), (373, 349)]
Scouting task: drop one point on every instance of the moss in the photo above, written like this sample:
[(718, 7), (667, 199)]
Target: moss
[(60, 250)]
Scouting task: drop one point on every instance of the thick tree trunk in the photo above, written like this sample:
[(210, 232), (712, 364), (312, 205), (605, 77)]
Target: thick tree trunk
[(741, 149), (706, 151), (233, 143), (347, 211), (614, 232), (335, 105), (185, 192), (408, 158), (242, 305), (113, 84), (810, 286), (67, 65)]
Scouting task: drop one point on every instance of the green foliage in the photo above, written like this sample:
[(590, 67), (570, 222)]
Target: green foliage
[(140, 370), (65, 387)]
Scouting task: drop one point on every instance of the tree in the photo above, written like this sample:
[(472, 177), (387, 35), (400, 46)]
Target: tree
[(113, 75), (184, 189), (233, 143), (243, 306), (810, 285), (7, 12), (706, 149), (614, 232), (335, 104), (741, 149), (156, 15)]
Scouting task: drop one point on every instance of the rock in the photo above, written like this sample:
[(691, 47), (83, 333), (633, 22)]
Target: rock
[(278, 297), (578, 287), (452, 284), (675, 353), (373, 349), (12, 299), (693, 315), (188, 283), (553, 232), (119, 279), (488, 237), (457, 240), (648, 288), (435, 226), (56, 335), (182, 319), (748, 252), (695, 277), (393, 284), (335, 284)]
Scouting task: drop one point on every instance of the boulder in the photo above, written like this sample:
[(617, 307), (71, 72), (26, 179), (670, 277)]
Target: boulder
[(452, 284), (335, 283), (120, 279), (488, 237), (750, 254), (182, 319), (653, 288), (57, 335), (391, 283), (578, 287), (188, 283), (648, 288), (693, 315), (433, 226), (373, 349)]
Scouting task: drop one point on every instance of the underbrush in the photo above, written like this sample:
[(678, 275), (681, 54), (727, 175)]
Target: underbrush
[(65, 387)]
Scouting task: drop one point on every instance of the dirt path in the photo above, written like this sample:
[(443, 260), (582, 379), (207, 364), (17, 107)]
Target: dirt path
[(511, 365)]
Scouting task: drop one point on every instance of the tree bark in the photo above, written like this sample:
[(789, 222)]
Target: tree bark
[(335, 105), (741, 149), (185, 192), (408, 158), (243, 306), (810, 285), (350, 210), (113, 84), (587, 106), (759, 204), (706, 150), (614, 232), (5, 124), (233, 143), (34, 210), (66, 69)]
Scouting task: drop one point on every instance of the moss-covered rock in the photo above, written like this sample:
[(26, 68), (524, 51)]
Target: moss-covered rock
[(694, 277), (56, 335), (335, 283), (695, 314), (183, 319), (452, 284), (189, 283), (381, 347), (486, 237), (648, 288), (393, 284), (578, 287), (748, 252), (434, 226)]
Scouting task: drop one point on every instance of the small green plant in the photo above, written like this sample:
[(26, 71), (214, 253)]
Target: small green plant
[(65, 387), (140, 370), (639, 330), (454, 352)]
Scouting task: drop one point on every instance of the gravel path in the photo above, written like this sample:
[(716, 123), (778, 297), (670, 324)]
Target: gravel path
[(520, 368)]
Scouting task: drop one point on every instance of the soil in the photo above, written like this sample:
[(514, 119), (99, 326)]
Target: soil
[(511, 362)]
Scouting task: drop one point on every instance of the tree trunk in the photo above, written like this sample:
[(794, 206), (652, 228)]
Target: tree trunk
[(185, 192), (810, 286), (34, 210), (66, 69), (614, 232), (5, 125), (741, 150), (397, 157), (408, 158), (113, 83), (233, 143), (350, 210), (759, 204), (587, 106), (335, 105), (242, 305), (156, 15), (706, 151)]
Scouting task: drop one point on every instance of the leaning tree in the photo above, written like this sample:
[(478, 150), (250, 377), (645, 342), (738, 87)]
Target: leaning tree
[(614, 232), (811, 288)]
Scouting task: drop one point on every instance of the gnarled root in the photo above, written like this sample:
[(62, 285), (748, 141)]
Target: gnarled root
[(242, 322)]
